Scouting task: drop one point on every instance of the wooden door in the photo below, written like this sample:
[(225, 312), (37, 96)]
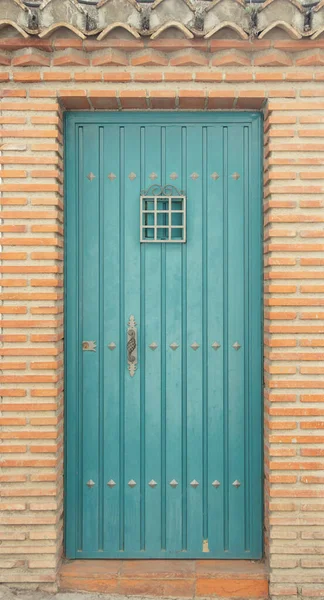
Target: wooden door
[(164, 444)]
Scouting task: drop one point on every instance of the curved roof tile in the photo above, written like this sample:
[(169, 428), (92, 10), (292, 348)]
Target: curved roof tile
[(194, 18)]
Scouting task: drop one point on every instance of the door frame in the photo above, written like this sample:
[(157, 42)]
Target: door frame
[(71, 335)]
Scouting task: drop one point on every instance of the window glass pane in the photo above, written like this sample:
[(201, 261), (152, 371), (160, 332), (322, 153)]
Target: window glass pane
[(163, 219), (148, 218), (176, 218), (177, 204), (163, 204), (162, 233), (148, 233), (176, 234), (148, 204)]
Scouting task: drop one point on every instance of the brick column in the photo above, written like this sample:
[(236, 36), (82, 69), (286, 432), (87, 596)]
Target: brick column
[(32, 337), (294, 324)]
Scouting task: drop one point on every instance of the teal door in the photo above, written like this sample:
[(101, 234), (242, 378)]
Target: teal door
[(163, 336)]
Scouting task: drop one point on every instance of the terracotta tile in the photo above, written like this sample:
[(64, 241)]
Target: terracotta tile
[(167, 578), (144, 586), (184, 588), (157, 587), (89, 585), (91, 568), (155, 568), (229, 588), (227, 569)]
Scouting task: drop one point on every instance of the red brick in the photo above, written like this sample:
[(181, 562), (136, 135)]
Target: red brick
[(188, 59), (250, 100), (232, 58), (101, 99), (192, 99), (130, 99), (74, 99), (110, 58), (149, 58), (162, 99), (273, 58), (71, 58), (31, 58)]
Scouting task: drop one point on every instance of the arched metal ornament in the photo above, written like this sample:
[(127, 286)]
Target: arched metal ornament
[(132, 346)]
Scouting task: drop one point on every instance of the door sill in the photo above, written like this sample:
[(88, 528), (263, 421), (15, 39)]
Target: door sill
[(167, 578)]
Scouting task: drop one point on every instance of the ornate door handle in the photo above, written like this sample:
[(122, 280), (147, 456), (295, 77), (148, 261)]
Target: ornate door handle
[(132, 346)]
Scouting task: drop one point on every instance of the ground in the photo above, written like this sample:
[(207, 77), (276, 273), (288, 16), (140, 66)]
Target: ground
[(12, 594)]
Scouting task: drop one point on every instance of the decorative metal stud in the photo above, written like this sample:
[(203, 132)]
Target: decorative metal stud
[(194, 176), (153, 346), (174, 176), (195, 346), (90, 483), (236, 176), (153, 176), (236, 346), (152, 483), (236, 483), (111, 176), (216, 483), (91, 176), (216, 345), (174, 483), (89, 346), (111, 483), (112, 346), (215, 176), (174, 346), (132, 483), (132, 176), (194, 483)]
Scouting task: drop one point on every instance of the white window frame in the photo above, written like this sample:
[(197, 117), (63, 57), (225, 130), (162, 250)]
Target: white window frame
[(155, 198)]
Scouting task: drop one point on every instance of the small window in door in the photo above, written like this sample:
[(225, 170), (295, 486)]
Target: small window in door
[(163, 215)]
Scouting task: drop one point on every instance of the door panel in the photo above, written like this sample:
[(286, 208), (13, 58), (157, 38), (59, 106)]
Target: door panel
[(190, 416)]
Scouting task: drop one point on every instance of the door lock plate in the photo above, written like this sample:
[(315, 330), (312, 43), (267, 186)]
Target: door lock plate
[(89, 346)]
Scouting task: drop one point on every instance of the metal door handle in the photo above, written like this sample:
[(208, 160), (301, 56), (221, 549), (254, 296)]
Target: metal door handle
[(132, 346)]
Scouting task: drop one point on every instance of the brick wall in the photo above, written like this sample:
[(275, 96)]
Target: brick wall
[(294, 300), (32, 336), (282, 78)]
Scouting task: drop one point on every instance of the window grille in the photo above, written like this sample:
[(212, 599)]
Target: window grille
[(163, 214)]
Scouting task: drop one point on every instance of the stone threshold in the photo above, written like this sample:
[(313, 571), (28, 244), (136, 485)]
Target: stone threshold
[(167, 578)]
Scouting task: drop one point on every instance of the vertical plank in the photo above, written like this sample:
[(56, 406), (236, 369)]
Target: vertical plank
[(214, 333), (111, 320), (122, 339), (246, 340), (143, 350), (153, 364), (90, 331), (101, 342), (236, 309), (255, 248), (204, 324), (194, 330), (173, 360), (225, 346), (131, 177), (73, 388), (184, 387)]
